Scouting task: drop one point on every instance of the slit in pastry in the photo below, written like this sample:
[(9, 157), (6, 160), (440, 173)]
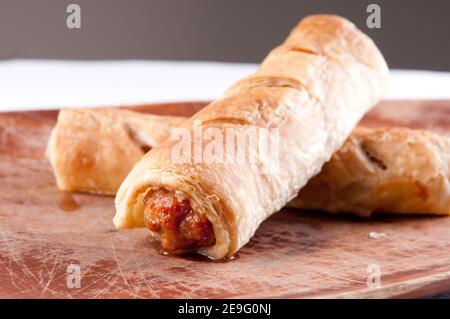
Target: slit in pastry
[(138, 138)]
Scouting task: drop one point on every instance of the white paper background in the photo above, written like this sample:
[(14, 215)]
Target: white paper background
[(41, 84)]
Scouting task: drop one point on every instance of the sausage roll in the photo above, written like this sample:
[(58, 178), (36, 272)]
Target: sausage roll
[(393, 170), (310, 92), (93, 150), (389, 170)]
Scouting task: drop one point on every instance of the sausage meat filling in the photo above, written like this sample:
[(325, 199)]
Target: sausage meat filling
[(181, 228)]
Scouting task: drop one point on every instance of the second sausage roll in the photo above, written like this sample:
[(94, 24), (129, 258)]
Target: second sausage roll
[(310, 92), (394, 170), (388, 170), (92, 150)]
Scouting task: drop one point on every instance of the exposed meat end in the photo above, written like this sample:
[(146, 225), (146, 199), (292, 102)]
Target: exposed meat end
[(181, 228)]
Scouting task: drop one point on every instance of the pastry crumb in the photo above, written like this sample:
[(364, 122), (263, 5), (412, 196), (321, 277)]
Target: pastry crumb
[(376, 235)]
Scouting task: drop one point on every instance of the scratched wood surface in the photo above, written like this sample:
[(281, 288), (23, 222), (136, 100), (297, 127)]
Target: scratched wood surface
[(293, 254)]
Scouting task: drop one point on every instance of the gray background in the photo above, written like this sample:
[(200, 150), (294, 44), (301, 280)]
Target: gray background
[(414, 34)]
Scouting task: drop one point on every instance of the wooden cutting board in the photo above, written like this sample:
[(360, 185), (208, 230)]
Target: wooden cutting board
[(44, 233)]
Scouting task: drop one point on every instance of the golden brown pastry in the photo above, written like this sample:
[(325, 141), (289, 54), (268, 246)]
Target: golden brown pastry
[(92, 150), (394, 170), (312, 90), (389, 170)]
